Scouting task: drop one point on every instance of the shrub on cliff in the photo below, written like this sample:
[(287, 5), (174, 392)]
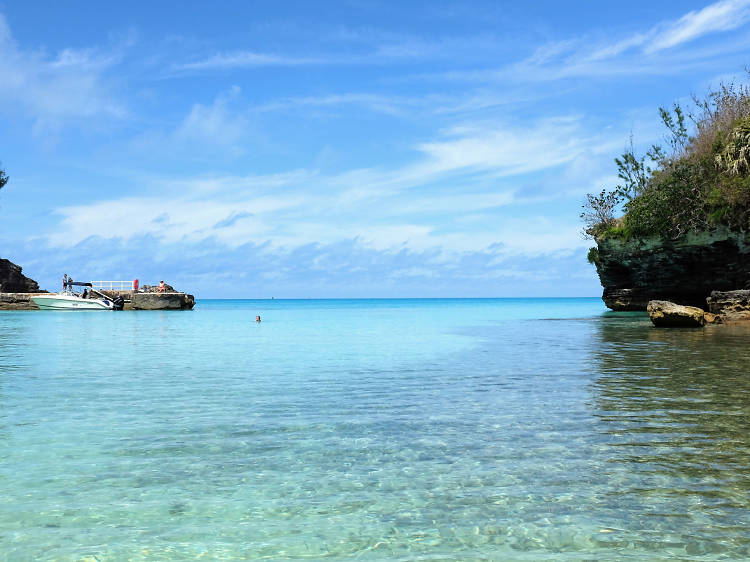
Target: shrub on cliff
[(701, 181), (3, 178)]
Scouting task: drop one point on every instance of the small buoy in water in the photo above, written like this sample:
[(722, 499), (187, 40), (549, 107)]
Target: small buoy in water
[(257, 318)]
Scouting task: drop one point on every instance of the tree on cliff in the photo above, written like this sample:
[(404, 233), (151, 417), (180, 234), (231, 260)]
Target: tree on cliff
[(700, 182)]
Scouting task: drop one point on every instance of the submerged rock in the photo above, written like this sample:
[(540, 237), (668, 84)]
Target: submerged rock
[(669, 314), (731, 306)]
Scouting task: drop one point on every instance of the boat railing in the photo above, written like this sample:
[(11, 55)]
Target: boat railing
[(112, 285)]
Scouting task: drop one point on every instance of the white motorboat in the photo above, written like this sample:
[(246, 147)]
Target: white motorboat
[(70, 301)]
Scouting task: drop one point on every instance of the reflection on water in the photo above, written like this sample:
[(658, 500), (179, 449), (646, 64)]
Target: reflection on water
[(675, 407)]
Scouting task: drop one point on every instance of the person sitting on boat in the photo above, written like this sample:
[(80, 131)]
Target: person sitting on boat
[(161, 288), (85, 294)]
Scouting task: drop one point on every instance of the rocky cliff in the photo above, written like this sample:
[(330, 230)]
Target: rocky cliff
[(683, 271), (13, 281)]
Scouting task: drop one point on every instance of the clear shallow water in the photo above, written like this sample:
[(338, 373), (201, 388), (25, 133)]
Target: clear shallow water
[(519, 429)]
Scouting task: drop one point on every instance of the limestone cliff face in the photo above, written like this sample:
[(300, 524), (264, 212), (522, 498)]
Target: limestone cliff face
[(13, 281), (683, 271)]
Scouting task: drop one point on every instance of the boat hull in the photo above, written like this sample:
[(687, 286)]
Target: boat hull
[(69, 302)]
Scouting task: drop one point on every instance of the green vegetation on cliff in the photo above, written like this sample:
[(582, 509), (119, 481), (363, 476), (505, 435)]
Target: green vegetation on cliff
[(699, 182), (3, 178)]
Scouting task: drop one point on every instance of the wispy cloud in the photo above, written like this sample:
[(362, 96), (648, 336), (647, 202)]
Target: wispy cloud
[(725, 15), (216, 124), (459, 174), (247, 59), (721, 16), (661, 49), (56, 89), (353, 47)]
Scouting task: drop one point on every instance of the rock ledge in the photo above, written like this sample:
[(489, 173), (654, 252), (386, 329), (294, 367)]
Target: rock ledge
[(669, 314), (731, 306)]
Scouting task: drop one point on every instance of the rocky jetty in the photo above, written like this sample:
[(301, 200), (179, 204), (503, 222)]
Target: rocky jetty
[(162, 301), (16, 291), (148, 297), (686, 271)]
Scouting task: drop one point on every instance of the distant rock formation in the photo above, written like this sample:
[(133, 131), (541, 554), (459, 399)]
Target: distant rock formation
[(162, 301), (685, 271), (13, 281)]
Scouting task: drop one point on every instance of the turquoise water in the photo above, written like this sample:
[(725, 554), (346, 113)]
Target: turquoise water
[(519, 429)]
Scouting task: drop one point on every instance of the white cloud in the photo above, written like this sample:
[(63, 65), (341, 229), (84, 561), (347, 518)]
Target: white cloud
[(216, 124), (246, 59), (655, 50), (507, 150), (721, 16), (392, 105), (53, 90), (353, 47), (415, 207)]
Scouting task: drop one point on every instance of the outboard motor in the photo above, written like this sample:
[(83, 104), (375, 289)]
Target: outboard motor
[(118, 302)]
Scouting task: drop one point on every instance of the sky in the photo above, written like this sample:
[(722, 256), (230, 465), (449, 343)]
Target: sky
[(335, 149)]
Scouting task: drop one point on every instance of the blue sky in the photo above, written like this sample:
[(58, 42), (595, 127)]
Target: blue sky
[(335, 149)]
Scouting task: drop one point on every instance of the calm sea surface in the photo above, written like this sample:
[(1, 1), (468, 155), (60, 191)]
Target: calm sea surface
[(508, 429)]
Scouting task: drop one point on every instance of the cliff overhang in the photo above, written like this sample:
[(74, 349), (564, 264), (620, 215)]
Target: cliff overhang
[(635, 271)]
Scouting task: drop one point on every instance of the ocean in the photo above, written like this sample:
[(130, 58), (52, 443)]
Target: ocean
[(435, 429)]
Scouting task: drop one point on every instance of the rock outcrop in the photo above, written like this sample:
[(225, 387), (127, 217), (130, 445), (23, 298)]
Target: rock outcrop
[(13, 281), (730, 306), (636, 271), (162, 301), (17, 301), (669, 314)]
